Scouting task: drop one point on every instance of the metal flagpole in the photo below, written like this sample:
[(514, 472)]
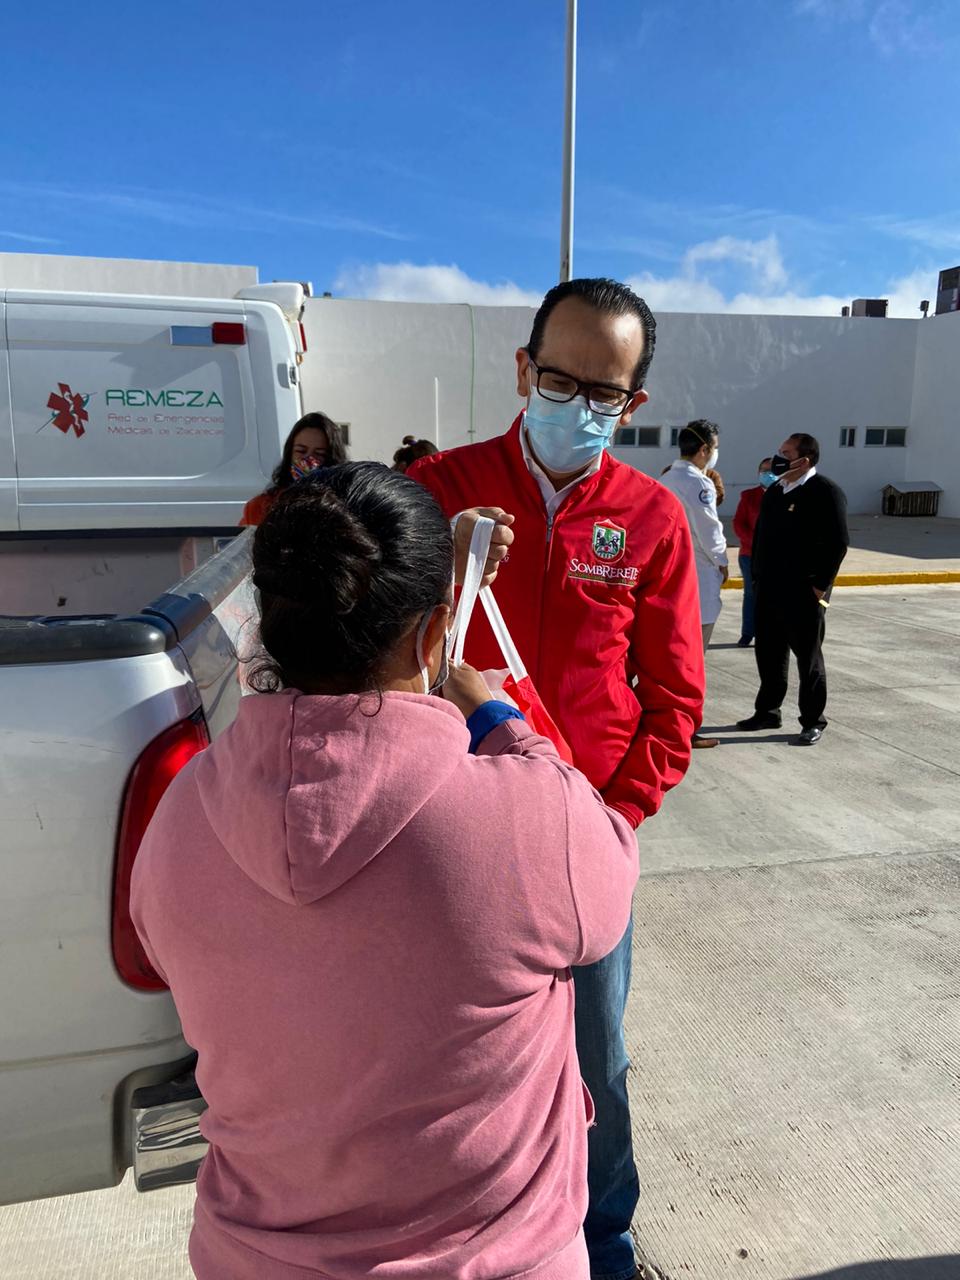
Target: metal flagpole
[(569, 137)]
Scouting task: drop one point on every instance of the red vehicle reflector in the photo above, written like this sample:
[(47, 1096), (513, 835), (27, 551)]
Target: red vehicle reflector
[(228, 333), (303, 337), (156, 768)]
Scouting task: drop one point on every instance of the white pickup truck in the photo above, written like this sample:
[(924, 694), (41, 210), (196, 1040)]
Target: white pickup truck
[(131, 432)]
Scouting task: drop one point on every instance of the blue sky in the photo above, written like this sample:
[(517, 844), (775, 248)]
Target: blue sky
[(750, 155)]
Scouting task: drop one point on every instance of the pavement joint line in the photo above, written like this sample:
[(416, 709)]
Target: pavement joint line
[(864, 733), (894, 579), (671, 873), (911, 626)]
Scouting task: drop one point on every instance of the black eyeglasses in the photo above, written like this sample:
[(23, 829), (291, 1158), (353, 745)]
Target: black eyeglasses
[(555, 385)]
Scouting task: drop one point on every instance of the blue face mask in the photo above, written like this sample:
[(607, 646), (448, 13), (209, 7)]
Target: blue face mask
[(767, 478), (567, 437)]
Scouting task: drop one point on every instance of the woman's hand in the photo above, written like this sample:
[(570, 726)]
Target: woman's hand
[(466, 689)]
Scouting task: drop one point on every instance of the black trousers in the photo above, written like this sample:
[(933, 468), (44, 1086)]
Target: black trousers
[(790, 619)]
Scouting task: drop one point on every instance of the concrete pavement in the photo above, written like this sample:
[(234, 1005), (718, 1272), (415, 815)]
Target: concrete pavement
[(794, 1019), (794, 1025)]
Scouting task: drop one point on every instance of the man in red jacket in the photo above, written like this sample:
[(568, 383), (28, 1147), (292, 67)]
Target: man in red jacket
[(597, 584)]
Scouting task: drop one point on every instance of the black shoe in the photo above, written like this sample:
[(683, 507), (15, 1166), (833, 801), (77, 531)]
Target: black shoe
[(760, 720), (810, 736), (745, 642)]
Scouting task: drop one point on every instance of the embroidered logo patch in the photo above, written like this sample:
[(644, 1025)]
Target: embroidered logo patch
[(705, 497), (609, 541)]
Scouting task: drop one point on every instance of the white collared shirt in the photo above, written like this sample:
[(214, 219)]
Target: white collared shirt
[(795, 484), (553, 497)]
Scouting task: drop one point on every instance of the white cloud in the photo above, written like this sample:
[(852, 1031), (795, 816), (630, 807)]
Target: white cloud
[(23, 238), (895, 27), (762, 284), (763, 256), (408, 282), (942, 231), (691, 289), (837, 10)]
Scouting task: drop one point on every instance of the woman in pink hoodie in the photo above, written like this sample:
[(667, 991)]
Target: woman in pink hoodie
[(366, 900)]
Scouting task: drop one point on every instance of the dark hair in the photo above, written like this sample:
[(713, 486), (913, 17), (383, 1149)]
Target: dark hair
[(344, 564), (718, 484), (807, 446), (612, 299), (411, 450), (695, 435), (282, 478)]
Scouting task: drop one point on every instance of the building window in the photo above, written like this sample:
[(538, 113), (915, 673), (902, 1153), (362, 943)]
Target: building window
[(848, 437), (675, 436), (345, 431), (886, 437), (638, 438)]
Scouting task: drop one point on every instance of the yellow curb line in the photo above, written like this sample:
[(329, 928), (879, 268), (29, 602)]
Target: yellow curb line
[(873, 579)]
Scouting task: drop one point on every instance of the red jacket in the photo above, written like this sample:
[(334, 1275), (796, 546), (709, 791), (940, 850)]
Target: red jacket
[(611, 595), (745, 519)]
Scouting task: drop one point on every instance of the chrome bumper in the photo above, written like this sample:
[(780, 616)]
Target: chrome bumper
[(167, 1143)]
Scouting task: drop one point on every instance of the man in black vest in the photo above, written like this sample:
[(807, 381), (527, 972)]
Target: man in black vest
[(799, 544)]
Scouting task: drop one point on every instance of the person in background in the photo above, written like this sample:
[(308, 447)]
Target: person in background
[(600, 595), (315, 441), (712, 474), (688, 478), (798, 546), (411, 451), (744, 523), (365, 901)]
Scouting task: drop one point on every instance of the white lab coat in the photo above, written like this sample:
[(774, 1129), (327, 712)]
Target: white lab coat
[(699, 497)]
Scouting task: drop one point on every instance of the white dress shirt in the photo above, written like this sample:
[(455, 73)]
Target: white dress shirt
[(553, 497), (795, 484)]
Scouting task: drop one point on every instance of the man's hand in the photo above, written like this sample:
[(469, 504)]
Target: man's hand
[(500, 543), (724, 573), (466, 689)]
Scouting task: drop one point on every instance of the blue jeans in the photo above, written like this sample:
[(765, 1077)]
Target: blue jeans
[(747, 625), (601, 999)]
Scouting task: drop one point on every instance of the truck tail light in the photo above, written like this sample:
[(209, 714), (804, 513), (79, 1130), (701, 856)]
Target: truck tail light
[(153, 772), (303, 337), (228, 333)]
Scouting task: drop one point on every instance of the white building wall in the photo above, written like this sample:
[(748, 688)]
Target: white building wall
[(763, 377), (59, 273), (447, 372), (934, 450)]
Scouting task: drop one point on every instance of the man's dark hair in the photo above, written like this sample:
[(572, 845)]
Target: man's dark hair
[(282, 478), (345, 563), (807, 446), (695, 435), (610, 297)]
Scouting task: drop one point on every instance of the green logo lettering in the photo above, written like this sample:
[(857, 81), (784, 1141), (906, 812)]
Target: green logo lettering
[(116, 395), (214, 400), (136, 399)]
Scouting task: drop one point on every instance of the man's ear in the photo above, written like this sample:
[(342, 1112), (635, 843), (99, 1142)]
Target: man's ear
[(633, 404), (523, 372)]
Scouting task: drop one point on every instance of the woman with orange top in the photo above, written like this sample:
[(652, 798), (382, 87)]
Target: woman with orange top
[(315, 441)]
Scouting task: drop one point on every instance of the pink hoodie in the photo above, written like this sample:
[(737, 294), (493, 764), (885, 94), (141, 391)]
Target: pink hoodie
[(367, 932)]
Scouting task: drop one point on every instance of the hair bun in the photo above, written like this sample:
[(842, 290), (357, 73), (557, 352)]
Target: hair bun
[(321, 555)]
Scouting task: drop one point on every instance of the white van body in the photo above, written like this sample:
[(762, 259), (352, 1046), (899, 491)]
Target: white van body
[(150, 413)]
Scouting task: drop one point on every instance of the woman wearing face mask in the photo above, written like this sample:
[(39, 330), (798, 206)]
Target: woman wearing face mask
[(744, 524), (315, 441), (365, 900)]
